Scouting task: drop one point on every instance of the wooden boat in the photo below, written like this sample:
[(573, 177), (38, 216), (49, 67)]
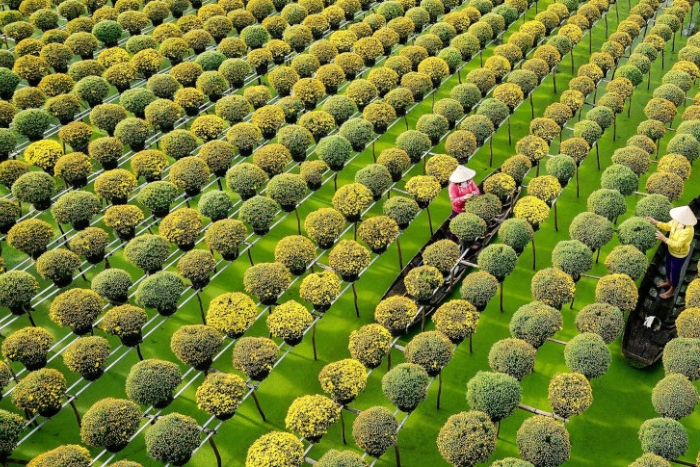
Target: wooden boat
[(642, 345), (466, 261)]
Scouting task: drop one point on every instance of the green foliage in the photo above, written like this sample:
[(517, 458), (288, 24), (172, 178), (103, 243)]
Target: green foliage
[(147, 252), (495, 394), (514, 357), (498, 260), (172, 439), (601, 318), (29, 346), (675, 397), (682, 355), (160, 291), (467, 438), (535, 323), (664, 437), (543, 441), (374, 430)]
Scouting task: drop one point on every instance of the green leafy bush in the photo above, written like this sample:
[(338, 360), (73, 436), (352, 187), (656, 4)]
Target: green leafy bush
[(495, 394)]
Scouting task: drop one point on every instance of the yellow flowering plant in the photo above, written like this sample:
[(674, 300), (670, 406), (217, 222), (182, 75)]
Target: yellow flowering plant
[(545, 187), (395, 313), (423, 189), (310, 416), (232, 313), (40, 392), (553, 287), (343, 380), (275, 449), (289, 321), (456, 319), (220, 394), (500, 184), (532, 209), (320, 289), (370, 344), (349, 259), (255, 356)]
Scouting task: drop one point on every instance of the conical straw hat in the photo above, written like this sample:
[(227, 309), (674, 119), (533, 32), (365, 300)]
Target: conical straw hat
[(683, 215), (462, 174)]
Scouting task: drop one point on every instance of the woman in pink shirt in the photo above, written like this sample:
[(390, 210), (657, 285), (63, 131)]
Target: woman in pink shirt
[(462, 187)]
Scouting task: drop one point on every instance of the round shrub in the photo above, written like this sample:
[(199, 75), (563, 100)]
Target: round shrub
[(41, 392), (675, 397), (123, 219), (514, 357), (587, 354), (430, 349), (31, 123), (160, 291), (35, 188), (467, 438), (284, 447), (147, 252), (112, 284), (172, 439), (87, 357), (73, 169), (664, 437), (618, 290), (497, 260), (601, 318), (255, 356), (442, 255), (374, 430), (495, 394), (76, 308), (535, 323), (196, 345), (190, 174), (29, 346), (76, 208), (543, 441), (289, 321)]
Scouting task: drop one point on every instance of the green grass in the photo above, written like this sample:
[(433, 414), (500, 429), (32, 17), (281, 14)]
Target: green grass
[(604, 435)]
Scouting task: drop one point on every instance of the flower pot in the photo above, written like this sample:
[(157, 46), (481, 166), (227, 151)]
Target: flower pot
[(387, 51), (62, 282), (163, 403), (346, 401), (175, 61), (50, 411), (167, 311), (311, 185), (199, 50), (293, 340), (350, 76), (160, 213), (322, 308), (156, 22), (267, 301), (291, 119), (6, 226), (299, 271), (403, 226), (423, 204), (380, 128), (126, 234), (115, 447), (350, 277), (326, 245), (230, 255), (245, 152), (353, 218), (225, 416), (278, 61), (78, 183), (261, 231), (332, 90), (38, 365), (334, 27), (200, 284), (42, 205), (432, 372), (261, 69), (93, 375), (288, 207), (259, 375), (309, 106), (269, 134), (110, 164), (38, 253), (379, 251), (407, 409), (131, 340), (299, 48), (183, 460), (82, 330), (89, 56), (95, 259), (204, 366)]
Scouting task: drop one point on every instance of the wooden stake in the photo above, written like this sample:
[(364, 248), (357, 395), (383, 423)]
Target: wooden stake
[(398, 456), (250, 257), (501, 300), (216, 451), (138, 352), (398, 245), (556, 218), (296, 213), (342, 427), (354, 297), (430, 221), (71, 401), (313, 340), (439, 394), (471, 340), (201, 308), (257, 404), (534, 255)]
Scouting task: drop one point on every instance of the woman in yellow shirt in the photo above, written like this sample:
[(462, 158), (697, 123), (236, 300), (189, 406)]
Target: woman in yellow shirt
[(679, 239)]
